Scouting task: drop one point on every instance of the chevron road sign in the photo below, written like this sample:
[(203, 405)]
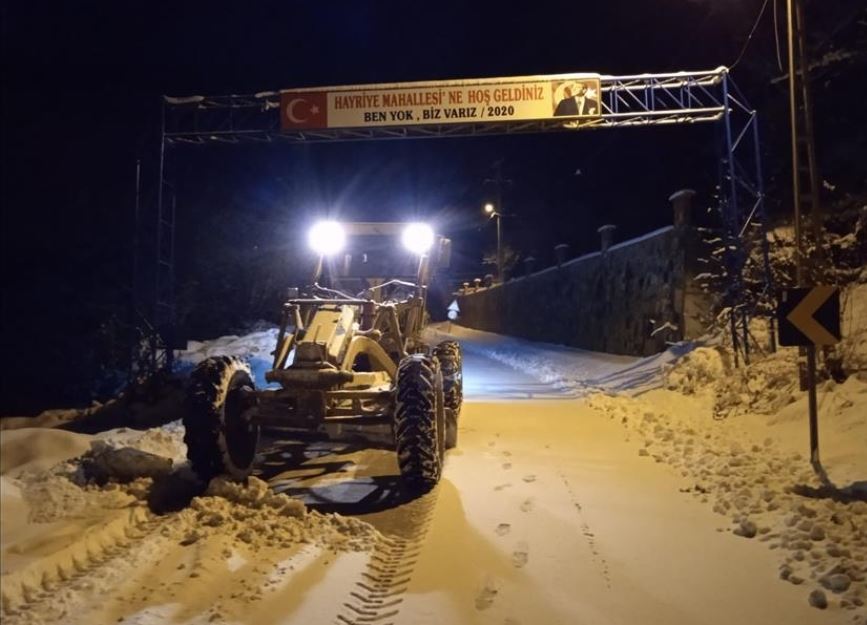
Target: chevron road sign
[(809, 316)]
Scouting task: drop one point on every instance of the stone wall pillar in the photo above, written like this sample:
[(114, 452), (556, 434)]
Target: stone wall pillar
[(561, 252), (681, 204), (606, 236)]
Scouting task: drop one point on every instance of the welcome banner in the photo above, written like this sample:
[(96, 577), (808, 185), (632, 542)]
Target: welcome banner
[(442, 102)]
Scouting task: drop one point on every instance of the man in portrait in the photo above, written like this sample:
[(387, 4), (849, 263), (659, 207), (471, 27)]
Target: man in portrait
[(579, 99)]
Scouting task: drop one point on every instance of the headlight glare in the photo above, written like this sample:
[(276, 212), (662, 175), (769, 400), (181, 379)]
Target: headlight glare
[(418, 238), (326, 238)]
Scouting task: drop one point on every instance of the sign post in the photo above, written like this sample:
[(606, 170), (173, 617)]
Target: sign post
[(452, 313), (810, 317)]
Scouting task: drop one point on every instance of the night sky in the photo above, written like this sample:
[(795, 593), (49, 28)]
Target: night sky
[(81, 87)]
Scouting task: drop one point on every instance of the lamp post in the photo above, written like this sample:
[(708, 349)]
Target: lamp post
[(491, 210)]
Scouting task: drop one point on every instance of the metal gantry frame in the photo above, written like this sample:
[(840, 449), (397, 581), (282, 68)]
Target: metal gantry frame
[(637, 100)]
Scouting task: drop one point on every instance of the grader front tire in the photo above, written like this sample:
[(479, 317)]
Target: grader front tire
[(220, 439), (418, 421)]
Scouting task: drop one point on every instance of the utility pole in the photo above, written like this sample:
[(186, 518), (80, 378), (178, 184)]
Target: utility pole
[(499, 181), (133, 317), (808, 138), (793, 122), (803, 134), (500, 275)]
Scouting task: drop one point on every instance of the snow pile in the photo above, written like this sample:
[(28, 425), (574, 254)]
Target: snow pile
[(90, 513), (770, 382), (124, 465), (87, 485), (768, 492), (763, 387), (56, 494), (257, 517), (124, 454), (119, 470), (697, 369), (167, 441), (251, 512)]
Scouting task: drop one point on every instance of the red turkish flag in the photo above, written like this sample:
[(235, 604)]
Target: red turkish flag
[(303, 109)]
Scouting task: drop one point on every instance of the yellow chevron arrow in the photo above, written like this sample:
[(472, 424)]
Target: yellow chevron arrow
[(802, 316)]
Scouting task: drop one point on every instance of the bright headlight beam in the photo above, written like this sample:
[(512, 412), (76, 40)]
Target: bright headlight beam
[(418, 238), (326, 237)]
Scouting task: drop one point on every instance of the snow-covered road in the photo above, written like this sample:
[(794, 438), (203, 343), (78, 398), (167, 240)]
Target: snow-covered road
[(550, 510), (547, 514)]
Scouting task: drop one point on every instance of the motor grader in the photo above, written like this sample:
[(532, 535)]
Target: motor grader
[(341, 358)]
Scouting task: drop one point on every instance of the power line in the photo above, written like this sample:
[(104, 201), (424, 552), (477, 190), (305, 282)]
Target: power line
[(750, 36), (777, 39)]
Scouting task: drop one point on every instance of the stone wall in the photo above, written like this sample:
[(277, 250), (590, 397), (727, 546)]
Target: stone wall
[(632, 298)]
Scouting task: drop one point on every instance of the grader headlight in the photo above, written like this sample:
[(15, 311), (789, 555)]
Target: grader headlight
[(326, 238), (418, 238)]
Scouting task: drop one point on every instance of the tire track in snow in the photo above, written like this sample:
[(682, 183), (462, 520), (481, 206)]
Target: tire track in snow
[(377, 595), (52, 587)]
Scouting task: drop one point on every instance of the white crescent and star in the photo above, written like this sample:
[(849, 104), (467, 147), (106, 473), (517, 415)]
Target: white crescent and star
[(290, 111)]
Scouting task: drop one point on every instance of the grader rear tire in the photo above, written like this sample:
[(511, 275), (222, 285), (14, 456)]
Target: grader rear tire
[(451, 363), (220, 440)]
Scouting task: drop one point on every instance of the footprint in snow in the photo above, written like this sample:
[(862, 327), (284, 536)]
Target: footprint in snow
[(520, 555), (527, 505), (486, 595), (503, 529), (529, 478)]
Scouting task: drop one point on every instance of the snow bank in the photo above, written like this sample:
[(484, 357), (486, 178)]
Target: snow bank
[(575, 371), (768, 492), (34, 449), (256, 348), (257, 344)]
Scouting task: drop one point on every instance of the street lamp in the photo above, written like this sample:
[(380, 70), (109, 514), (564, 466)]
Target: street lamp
[(491, 210)]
